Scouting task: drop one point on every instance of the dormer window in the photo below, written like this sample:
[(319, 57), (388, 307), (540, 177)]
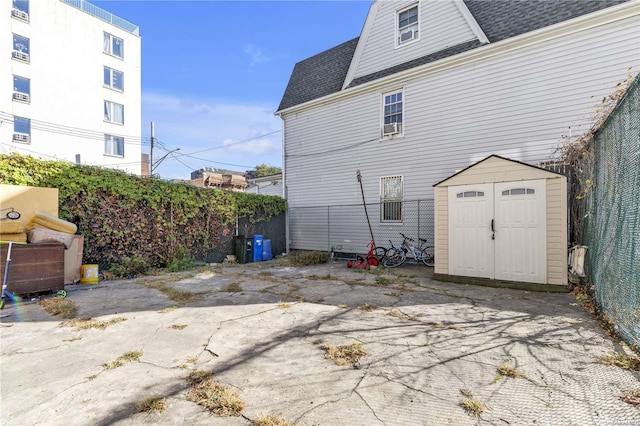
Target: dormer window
[(408, 25)]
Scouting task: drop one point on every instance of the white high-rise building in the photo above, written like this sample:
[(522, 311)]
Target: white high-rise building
[(70, 83)]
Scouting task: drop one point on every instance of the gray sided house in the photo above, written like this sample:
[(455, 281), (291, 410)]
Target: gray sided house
[(265, 185), (432, 87)]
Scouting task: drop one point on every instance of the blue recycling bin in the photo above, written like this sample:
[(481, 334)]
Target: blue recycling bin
[(266, 250), (257, 247)]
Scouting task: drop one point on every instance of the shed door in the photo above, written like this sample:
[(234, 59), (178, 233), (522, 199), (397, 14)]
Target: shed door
[(521, 231), (498, 231), (470, 245)]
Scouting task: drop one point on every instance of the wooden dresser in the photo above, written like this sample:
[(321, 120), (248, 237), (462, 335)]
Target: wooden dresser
[(34, 268)]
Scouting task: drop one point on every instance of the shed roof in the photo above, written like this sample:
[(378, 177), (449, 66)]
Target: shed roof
[(509, 170), (324, 73)]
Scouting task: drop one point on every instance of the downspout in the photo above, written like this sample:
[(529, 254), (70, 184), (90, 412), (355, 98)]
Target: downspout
[(284, 186)]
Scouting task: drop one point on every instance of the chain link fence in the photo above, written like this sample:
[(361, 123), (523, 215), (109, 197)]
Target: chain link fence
[(606, 214), (343, 230)]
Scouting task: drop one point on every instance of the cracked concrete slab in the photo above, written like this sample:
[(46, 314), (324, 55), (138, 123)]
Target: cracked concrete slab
[(259, 328)]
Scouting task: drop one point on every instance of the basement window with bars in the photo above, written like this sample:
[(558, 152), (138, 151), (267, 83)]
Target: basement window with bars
[(391, 199)]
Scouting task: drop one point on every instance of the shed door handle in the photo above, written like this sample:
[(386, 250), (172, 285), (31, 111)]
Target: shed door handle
[(493, 229)]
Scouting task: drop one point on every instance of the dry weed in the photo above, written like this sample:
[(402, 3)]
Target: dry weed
[(344, 354), (215, 397), (472, 406), (123, 359), (270, 420), (153, 404), (63, 308), (87, 323), (631, 397), (626, 362), (368, 307)]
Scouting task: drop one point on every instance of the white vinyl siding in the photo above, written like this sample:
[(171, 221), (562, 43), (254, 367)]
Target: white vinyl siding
[(518, 104), (441, 26)]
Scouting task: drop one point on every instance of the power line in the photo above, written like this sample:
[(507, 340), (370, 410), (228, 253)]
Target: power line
[(235, 143), (75, 131)]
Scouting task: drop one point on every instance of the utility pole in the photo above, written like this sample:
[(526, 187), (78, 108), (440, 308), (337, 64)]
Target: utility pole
[(151, 155)]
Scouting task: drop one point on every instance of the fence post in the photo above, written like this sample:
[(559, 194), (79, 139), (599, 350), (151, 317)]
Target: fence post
[(418, 220), (328, 229)]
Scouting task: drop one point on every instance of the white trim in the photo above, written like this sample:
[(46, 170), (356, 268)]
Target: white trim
[(582, 23), (364, 35), (471, 21)]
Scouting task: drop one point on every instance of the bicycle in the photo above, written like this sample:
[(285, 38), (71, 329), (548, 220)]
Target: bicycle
[(396, 256)]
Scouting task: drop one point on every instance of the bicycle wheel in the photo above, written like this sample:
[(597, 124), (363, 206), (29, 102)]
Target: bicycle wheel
[(394, 258), (380, 253), (428, 256)]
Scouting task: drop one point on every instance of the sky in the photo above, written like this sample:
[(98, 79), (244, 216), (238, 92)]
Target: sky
[(214, 72)]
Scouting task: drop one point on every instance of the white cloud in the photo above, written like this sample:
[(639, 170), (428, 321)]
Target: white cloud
[(225, 132), (256, 55)]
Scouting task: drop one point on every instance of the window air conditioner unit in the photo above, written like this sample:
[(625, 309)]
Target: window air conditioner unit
[(391, 129), (18, 96), (17, 13), (21, 137), (20, 56), (408, 35)]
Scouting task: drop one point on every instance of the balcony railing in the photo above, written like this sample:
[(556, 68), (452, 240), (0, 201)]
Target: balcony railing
[(103, 15)]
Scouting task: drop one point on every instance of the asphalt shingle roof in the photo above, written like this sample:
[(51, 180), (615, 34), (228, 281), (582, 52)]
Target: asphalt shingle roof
[(319, 75), (325, 72)]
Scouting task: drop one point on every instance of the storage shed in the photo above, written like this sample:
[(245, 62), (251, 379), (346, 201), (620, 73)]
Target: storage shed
[(501, 222)]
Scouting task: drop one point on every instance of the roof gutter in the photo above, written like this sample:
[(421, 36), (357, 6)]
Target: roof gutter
[(561, 29)]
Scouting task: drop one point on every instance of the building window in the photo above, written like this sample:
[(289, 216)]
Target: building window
[(114, 145), (113, 79), (408, 25), (21, 89), (113, 113), (20, 10), (21, 130), (519, 191), (470, 194), (113, 45), (392, 114), (20, 48), (391, 198)]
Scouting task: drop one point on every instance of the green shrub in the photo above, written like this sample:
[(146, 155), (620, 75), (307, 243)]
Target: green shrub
[(134, 265), (125, 215), (117, 270), (182, 264), (305, 258)]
